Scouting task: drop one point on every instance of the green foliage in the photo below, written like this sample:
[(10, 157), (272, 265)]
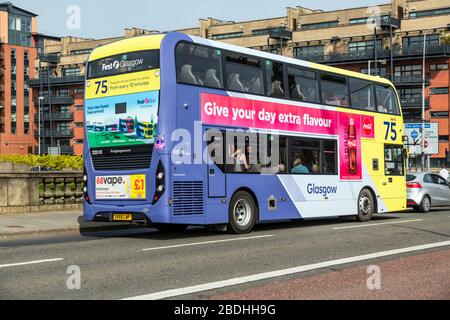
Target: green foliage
[(52, 162)]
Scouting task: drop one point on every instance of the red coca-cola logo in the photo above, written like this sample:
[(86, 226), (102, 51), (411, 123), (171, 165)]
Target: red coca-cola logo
[(367, 126)]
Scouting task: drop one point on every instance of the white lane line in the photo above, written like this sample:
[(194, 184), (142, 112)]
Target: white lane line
[(278, 273), (377, 224), (29, 262), (207, 242)]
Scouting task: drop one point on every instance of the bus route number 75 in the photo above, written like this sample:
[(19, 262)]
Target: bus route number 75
[(102, 87), (390, 130)]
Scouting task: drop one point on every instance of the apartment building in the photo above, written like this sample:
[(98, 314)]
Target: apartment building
[(17, 55)]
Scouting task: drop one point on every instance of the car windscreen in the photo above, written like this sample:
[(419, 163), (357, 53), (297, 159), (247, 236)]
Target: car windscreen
[(410, 177)]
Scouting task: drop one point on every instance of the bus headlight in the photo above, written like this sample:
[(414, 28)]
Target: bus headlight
[(160, 188), (85, 187)]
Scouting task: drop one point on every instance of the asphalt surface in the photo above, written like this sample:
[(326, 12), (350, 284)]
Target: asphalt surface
[(142, 263)]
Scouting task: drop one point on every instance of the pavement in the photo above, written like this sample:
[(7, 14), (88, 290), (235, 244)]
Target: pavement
[(51, 222), (313, 259)]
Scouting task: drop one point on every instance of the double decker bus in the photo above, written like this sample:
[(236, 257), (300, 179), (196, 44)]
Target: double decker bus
[(145, 130), (242, 137), (126, 125)]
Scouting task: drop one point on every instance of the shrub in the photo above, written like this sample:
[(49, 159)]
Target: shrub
[(52, 162)]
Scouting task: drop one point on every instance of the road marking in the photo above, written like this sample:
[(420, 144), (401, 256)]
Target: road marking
[(29, 262), (377, 224), (278, 273), (206, 242)]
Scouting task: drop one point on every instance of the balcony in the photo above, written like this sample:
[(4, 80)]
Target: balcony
[(49, 58), (66, 100), (55, 133), (407, 80), (56, 81), (414, 103), (56, 116), (417, 51), (345, 57), (66, 150)]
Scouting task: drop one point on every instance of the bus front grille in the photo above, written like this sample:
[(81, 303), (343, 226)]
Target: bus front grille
[(122, 162), (188, 198)]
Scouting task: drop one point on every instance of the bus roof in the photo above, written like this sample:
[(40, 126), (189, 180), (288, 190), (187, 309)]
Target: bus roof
[(293, 61), (145, 42), (149, 42)]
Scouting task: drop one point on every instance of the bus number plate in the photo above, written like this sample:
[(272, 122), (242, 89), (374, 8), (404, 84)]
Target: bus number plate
[(122, 217)]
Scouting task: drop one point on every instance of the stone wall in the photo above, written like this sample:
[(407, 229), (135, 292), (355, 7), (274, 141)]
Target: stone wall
[(23, 190)]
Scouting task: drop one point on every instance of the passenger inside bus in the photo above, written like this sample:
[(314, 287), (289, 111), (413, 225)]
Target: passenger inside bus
[(298, 167)]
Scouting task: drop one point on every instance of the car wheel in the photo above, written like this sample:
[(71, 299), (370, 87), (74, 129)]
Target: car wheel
[(366, 206), (425, 205), (242, 213)]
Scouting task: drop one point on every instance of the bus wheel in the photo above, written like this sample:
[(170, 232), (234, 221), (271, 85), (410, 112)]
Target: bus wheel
[(366, 206), (242, 213), (170, 228)]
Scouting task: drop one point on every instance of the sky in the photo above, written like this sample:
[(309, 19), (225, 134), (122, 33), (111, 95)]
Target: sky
[(108, 18)]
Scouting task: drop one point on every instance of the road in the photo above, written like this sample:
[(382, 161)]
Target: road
[(314, 259)]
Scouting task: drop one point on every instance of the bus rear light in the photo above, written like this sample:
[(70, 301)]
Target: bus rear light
[(413, 185), (159, 182), (85, 187)]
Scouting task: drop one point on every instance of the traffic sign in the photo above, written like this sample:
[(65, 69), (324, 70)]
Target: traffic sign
[(431, 138)]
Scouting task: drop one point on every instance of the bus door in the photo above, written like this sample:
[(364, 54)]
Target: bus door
[(216, 167), (394, 170)]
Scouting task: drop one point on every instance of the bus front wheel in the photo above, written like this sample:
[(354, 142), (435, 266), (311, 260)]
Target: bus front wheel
[(242, 213), (366, 206)]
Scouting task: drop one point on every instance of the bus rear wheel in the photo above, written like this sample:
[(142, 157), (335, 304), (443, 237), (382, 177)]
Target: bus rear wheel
[(242, 213), (366, 206)]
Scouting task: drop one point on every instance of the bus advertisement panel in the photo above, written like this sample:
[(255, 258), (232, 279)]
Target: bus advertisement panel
[(124, 112)]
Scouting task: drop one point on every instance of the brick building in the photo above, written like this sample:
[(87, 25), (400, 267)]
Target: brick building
[(17, 55)]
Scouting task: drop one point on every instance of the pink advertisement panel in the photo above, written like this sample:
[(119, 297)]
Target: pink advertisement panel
[(247, 113)]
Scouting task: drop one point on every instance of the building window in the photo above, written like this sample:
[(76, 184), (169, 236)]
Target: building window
[(78, 141), (79, 108), (309, 51), (380, 71), (230, 35), (408, 70), (363, 46), (78, 91), (320, 25), (439, 66), (79, 124), (13, 126), (81, 52), (26, 127), (417, 41), (429, 13), (62, 92), (439, 114), (263, 32), (71, 72), (443, 138), (434, 91), (366, 20), (19, 31)]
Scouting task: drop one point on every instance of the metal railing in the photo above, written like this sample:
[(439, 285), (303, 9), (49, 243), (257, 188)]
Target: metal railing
[(414, 103), (55, 133), (56, 100)]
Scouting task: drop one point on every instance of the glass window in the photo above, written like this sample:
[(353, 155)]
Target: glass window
[(241, 149), (230, 35), (303, 85), (393, 160), (362, 94), (439, 114), (439, 66), (329, 157), (334, 90), (198, 65), (312, 156), (308, 51), (386, 100), (244, 74), (275, 79), (443, 90), (320, 25)]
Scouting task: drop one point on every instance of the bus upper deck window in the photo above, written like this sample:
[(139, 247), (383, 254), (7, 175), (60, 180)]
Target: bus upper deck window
[(244, 74), (334, 90), (303, 85), (362, 94), (386, 100), (275, 79), (199, 65)]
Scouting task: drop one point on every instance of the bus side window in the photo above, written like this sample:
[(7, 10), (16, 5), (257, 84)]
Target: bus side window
[(362, 94), (303, 85), (334, 90), (244, 74), (199, 65), (275, 79), (386, 100)]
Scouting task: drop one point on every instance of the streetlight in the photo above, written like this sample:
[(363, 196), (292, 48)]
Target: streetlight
[(422, 154), (40, 98)]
